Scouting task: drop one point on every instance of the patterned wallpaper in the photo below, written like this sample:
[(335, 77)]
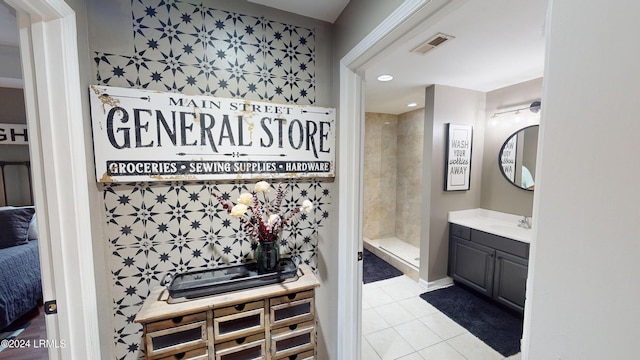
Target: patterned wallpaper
[(155, 228), (194, 49)]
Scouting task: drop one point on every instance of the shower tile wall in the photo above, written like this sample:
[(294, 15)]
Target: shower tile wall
[(409, 176), (380, 154), (393, 175)]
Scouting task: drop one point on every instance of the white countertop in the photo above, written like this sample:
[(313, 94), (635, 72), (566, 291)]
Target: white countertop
[(498, 223)]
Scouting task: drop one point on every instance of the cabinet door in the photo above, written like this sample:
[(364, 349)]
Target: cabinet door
[(510, 280), (472, 264)]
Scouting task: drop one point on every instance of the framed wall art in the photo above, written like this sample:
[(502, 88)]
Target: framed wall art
[(458, 157)]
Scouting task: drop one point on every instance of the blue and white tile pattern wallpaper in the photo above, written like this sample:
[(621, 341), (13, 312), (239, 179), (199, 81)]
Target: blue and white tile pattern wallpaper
[(155, 228), (194, 49)]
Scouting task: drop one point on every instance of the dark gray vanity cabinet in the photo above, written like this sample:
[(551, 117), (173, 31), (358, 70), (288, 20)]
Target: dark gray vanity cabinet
[(492, 265), (473, 265), (510, 280)]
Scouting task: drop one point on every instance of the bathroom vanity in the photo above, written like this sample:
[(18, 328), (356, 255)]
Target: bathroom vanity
[(489, 253)]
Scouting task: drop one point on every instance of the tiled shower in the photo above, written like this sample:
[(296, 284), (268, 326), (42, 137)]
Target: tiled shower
[(393, 187)]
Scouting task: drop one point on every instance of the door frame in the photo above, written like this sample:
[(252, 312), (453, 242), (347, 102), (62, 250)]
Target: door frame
[(350, 173), (53, 103)]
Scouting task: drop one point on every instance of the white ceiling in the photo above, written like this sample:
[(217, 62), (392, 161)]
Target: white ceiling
[(326, 10), (497, 43)]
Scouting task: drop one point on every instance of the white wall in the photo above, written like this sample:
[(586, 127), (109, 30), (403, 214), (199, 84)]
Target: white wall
[(10, 62), (583, 286)]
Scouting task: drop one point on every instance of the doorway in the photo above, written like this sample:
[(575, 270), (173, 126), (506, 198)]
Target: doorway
[(22, 320), (22, 309), (351, 179), (356, 65), (53, 103)]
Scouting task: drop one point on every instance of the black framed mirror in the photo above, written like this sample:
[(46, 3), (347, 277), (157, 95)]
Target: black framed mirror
[(517, 158)]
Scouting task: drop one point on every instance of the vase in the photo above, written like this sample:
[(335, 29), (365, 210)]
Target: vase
[(268, 256)]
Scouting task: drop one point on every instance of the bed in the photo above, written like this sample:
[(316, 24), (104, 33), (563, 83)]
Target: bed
[(20, 280)]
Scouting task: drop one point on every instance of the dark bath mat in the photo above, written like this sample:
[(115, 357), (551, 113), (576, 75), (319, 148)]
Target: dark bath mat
[(496, 326), (376, 269)]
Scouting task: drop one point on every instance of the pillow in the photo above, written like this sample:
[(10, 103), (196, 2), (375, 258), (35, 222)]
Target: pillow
[(14, 225), (32, 233)]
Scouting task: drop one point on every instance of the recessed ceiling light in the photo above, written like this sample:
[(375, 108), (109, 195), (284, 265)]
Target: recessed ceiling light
[(385, 78), (412, 104)]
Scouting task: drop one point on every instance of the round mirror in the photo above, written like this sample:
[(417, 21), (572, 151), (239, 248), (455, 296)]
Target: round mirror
[(517, 158)]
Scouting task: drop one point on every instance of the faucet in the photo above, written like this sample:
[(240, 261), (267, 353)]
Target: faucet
[(525, 222)]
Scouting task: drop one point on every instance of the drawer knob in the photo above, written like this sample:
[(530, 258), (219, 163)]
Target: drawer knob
[(177, 319), (292, 296), (240, 340), (180, 356), (293, 327), (239, 307)]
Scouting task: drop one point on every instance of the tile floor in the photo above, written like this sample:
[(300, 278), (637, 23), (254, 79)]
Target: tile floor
[(398, 324)]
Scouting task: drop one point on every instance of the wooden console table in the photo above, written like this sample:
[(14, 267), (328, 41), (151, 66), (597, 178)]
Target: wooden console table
[(276, 321)]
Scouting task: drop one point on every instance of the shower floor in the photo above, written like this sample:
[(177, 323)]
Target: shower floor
[(398, 253)]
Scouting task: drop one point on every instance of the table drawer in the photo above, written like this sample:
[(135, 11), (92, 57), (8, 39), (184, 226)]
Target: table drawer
[(306, 355), (237, 321), (293, 340), (245, 348), (176, 321), (177, 339), (196, 354), (292, 308)]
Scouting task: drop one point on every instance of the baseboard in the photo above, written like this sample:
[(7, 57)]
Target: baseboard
[(433, 285)]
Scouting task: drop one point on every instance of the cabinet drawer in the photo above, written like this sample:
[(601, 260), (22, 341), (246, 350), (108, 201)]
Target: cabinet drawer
[(177, 339), (460, 231), (292, 308), (237, 321), (307, 355), (196, 354), (507, 245), (245, 348), (176, 321), (293, 340)]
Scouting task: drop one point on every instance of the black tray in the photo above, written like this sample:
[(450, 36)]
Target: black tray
[(192, 285)]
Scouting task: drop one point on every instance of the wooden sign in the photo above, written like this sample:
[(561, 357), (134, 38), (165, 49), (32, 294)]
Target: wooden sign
[(458, 157), (13, 134), (142, 135)]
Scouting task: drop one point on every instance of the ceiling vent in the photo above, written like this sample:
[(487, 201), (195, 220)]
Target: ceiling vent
[(432, 43)]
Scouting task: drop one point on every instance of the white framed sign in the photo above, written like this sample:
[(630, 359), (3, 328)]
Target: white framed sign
[(13, 134), (458, 157), (142, 135)]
